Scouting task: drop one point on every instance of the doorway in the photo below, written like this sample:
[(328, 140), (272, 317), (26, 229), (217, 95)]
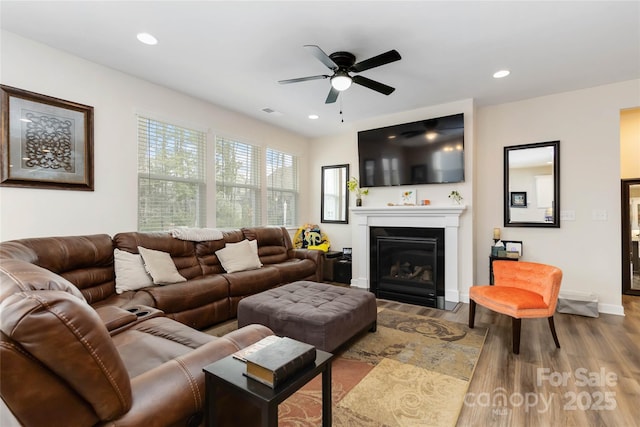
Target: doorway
[(630, 203)]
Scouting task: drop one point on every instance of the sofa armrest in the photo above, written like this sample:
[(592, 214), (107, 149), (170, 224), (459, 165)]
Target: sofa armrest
[(175, 391), (116, 318), (314, 255)]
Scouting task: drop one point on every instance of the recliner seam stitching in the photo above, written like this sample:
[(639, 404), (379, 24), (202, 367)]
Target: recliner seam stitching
[(195, 392)]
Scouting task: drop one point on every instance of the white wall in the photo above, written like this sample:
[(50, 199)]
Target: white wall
[(116, 98), (587, 124)]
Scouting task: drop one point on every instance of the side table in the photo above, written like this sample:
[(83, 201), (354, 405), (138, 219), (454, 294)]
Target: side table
[(330, 259), (342, 271), (230, 395)]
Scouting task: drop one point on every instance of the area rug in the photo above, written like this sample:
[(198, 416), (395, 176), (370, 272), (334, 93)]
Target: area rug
[(414, 371)]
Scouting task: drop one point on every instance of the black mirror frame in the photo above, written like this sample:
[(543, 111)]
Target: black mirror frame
[(346, 195), (556, 186)]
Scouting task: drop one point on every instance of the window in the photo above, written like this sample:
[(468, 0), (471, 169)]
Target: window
[(238, 191), (171, 176), (282, 188)]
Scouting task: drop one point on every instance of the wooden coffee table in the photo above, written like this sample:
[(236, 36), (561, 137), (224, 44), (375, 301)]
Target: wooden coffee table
[(232, 399)]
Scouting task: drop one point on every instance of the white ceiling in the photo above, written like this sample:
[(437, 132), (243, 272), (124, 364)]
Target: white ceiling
[(232, 53)]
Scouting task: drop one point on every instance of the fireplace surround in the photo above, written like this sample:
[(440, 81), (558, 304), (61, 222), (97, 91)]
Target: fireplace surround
[(445, 217)]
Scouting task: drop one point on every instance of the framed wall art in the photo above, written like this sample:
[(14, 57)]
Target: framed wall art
[(518, 199), (46, 142)]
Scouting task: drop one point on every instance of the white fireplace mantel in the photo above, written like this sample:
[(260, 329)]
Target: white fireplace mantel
[(444, 216)]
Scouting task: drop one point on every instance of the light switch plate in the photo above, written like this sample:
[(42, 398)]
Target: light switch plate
[(599, 215), (568, 215)]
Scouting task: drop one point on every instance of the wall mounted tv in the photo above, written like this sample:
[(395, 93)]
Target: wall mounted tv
[(428, 151)]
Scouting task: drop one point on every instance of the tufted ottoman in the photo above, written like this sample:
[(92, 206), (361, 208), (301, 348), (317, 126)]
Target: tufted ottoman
[(325, 316)]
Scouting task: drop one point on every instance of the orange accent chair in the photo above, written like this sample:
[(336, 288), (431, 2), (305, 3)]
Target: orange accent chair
[(522, 290)]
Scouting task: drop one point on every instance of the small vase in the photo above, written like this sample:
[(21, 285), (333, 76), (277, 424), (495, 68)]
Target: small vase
[(358, 202)]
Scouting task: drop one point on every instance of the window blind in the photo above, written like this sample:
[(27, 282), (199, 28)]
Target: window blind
[(238, 191), (171, 176), (282, 188)]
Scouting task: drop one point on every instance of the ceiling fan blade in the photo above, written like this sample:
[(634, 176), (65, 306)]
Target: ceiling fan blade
[(303, 79), (333, 96), (322, 57), (376, 61), (372, 84)]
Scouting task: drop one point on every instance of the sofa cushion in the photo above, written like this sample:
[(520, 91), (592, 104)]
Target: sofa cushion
[(206, 251), (85, 261), (190, 294), (273, 243), (17, 275), (239, 256), (295, 269), (160, 266), (182, 251), (130, 272)]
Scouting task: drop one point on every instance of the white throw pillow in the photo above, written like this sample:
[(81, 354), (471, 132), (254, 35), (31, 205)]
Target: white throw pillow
[(239, 256), (160, 266), (253, 244), (130, 272)]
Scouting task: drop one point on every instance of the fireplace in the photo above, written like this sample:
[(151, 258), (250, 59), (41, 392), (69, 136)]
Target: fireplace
[(407, 264), (432, 216)]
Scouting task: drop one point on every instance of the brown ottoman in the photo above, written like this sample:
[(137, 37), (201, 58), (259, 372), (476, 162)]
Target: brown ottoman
[(325, 316)]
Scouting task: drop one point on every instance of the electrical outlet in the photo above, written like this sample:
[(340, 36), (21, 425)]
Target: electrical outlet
[(599, 215), (568, 215)]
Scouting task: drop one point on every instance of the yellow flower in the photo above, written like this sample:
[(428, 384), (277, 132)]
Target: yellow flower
[(353, 186)]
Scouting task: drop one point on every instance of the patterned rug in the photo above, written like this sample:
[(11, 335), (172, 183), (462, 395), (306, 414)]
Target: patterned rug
[(414, 371)]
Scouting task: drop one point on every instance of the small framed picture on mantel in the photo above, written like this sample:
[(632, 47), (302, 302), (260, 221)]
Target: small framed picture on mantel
[(408, 197)]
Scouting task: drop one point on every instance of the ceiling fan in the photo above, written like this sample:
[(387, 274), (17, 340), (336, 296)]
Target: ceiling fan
[(343, 63)]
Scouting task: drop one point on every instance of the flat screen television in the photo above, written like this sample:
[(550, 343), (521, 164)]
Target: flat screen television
[(428, 151)]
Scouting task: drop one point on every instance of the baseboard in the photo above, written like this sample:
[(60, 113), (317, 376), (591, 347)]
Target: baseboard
[(611, 309)]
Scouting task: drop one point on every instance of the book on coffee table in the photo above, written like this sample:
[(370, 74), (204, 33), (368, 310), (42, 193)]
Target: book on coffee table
[(242, 353), (278, 361)]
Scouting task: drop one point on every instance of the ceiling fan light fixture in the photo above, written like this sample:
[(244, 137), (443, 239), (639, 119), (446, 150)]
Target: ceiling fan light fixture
[(341, 81)]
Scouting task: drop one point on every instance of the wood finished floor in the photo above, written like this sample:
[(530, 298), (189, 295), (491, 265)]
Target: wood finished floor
[(594, 350)]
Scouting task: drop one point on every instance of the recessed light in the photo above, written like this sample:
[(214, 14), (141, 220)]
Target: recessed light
[(501, 73), (314, 116), (147, 38)]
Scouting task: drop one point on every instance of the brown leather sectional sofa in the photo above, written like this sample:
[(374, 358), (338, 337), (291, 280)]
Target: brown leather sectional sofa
[(209, 296), (76, 353)]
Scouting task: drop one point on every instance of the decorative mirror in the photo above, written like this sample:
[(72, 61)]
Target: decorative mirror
[(334, 203), (532, 185)]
